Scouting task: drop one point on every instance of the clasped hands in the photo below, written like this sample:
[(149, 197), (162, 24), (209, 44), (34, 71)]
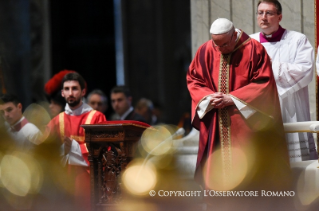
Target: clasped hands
[(220, 100)]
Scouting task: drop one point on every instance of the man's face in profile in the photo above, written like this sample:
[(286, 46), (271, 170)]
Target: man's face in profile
[(11, 113), (120, 102)]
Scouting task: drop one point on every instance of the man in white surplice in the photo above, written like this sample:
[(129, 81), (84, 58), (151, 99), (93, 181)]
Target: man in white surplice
[(292, 63)]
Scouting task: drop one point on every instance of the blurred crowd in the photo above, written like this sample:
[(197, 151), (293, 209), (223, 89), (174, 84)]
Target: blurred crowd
[(43, 158)]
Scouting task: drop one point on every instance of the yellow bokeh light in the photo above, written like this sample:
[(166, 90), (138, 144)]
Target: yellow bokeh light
[(128, 205), (139, 178), (15, 175), (20, 174), (0, 177), (39, 116), (36, 172), (156, 141), (61, 178), (306, 192), (141, 150), (217, 176), (163, 161)]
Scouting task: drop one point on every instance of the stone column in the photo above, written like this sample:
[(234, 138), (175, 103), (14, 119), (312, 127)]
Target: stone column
[(40, 47), (24, 48)]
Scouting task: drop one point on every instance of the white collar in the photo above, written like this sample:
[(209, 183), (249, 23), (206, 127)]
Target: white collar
[(239, 32), (126, 113), (10, 127), (22, 118), (84, 108)]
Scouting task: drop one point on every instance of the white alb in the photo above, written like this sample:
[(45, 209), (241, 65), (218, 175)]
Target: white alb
[(292, 62)]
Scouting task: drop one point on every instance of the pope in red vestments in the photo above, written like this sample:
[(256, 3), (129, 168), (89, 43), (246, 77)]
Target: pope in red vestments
[(235, 107)]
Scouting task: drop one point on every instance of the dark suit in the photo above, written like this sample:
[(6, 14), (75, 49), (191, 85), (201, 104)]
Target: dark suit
[(135, 116)]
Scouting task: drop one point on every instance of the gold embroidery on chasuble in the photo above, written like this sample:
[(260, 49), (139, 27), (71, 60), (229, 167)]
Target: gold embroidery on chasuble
[(87, 121), (62, 128), (78, 138), (224, 119), (61, 123)]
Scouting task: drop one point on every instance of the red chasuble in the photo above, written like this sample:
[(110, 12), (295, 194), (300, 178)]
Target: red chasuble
[(70, 126), (246, 75)]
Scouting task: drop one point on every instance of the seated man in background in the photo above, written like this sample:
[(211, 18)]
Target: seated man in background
[(25, 134), (144, 107), (121, 99), (98, 100)]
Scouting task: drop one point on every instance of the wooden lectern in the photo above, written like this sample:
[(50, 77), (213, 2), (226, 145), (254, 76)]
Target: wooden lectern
[(111, 146)]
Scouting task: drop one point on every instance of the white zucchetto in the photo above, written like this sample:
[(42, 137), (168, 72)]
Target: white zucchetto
[(221, 26)]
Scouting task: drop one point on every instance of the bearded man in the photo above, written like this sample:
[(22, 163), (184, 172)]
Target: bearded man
[(67, 128)]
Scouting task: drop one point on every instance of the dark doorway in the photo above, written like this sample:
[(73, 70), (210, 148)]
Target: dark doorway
[(82, 39)]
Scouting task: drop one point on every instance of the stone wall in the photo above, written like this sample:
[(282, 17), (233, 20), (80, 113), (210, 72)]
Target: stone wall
[(298, 15)]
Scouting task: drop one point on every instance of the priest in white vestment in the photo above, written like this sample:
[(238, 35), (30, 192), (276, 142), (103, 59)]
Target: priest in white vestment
[(292, 62)]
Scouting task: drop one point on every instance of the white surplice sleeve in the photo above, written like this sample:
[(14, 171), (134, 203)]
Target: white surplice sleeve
[(296, 72), (74, 157), (245, 110), (205, 106)]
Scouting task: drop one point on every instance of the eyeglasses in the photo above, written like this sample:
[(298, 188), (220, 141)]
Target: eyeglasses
[(267, 13), (226, 44)]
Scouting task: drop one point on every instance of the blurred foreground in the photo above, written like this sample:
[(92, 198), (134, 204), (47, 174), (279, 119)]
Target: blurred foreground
[(35, 179)]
